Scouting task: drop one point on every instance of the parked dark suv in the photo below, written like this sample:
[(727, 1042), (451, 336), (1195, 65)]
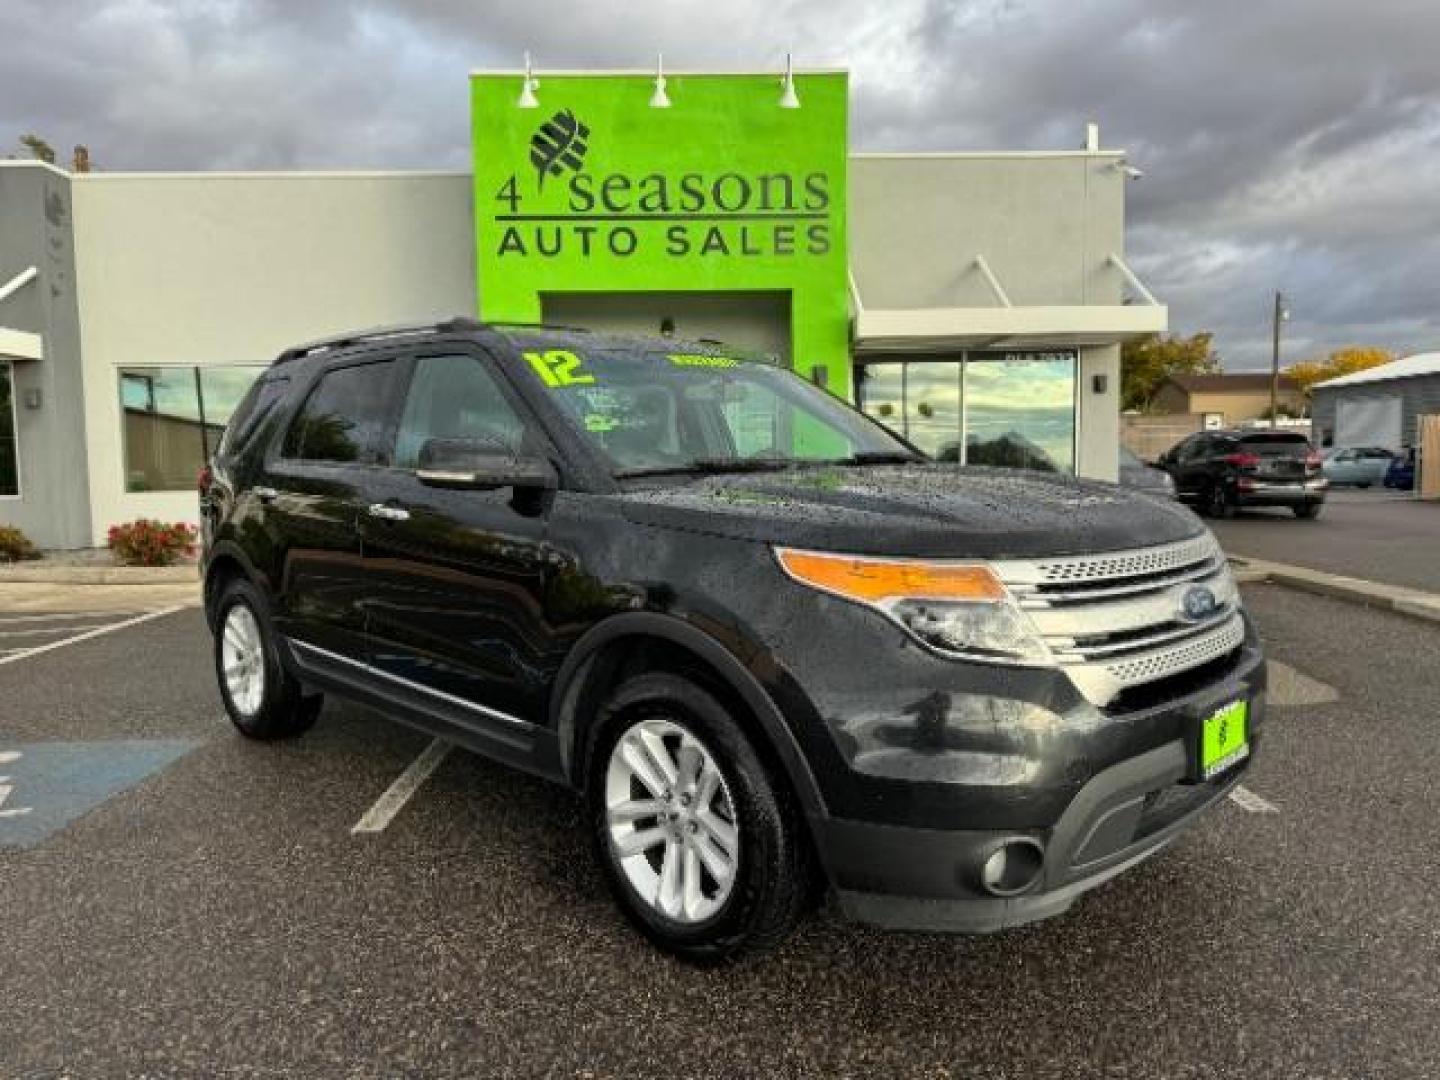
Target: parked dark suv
[(1222, 471), (772, 645)]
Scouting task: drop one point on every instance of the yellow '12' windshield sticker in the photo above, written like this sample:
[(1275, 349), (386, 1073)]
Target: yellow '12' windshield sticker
[(698, 360), (559, 367)]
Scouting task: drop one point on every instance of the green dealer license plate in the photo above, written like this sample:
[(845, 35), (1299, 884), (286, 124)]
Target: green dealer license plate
[(1224, 738)]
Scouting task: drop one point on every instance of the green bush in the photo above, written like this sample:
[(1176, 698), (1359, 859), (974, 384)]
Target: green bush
[(15, 545), (152, 543)]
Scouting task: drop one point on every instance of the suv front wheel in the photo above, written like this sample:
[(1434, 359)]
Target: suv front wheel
[(701, 846), (263, 699)]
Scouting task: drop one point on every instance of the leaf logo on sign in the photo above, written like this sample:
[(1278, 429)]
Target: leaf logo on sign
[(559, 144)]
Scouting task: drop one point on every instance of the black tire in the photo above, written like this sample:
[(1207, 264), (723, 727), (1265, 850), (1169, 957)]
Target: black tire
[(1217, 502), (1363, 486), (774, 877), (284, 710), (1307, 512)]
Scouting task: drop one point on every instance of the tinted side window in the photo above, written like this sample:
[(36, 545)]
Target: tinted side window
[(455, 397), (259, 402), (346, 417)]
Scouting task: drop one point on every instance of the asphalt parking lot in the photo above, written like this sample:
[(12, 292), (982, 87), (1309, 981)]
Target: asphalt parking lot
[(180, 902), (1376, 534)]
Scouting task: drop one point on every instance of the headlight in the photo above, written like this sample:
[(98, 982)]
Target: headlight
[(957, 608)]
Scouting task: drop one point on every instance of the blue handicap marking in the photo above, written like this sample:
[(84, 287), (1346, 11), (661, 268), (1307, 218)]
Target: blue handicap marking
[(45, 786)]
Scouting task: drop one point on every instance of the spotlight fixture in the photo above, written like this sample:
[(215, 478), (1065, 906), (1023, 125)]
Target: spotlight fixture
[(788, 98), (527, 98), (659, 99)]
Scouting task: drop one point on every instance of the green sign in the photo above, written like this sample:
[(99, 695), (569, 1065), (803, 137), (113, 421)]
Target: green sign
[(725, 191)]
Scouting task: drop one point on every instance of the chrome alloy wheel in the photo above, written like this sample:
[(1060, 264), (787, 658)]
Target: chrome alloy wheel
[(242, 658), (671, 821)]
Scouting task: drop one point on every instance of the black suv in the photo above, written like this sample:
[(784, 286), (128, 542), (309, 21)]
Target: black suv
[(1222, 471), (772, 645)]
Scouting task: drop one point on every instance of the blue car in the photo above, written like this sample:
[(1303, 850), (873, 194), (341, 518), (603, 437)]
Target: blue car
[(1401, 473)]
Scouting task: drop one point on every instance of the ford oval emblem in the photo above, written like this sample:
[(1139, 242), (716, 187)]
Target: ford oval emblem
[(1198, 602)]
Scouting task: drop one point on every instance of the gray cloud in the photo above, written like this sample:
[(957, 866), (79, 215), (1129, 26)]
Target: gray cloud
[(1289, 144)]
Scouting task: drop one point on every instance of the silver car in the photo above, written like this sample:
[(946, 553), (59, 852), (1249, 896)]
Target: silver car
[(1357, 465), (1135, 473)]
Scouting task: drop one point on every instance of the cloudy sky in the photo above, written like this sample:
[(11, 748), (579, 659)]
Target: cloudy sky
[(1291, 145)]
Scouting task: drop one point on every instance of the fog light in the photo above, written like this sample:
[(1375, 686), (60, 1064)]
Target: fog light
[(1013, 867)]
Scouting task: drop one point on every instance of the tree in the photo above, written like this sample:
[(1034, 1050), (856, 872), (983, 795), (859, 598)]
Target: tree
[(1307, 373), (1146, 364), (39, 149)]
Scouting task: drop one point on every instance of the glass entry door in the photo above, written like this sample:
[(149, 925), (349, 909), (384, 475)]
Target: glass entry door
[(1015, 410)]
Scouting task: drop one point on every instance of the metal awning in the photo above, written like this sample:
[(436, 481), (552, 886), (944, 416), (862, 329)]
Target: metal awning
[(1006, 325), (19, 344)]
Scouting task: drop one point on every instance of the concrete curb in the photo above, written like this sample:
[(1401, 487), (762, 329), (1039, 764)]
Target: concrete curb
[(1413, 602), (98, 575)]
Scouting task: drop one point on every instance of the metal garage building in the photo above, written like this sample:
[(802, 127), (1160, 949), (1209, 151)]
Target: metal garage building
[(1381, 406)]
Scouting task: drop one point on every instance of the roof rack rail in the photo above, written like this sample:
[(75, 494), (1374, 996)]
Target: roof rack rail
[(457, 324), (510, 324)]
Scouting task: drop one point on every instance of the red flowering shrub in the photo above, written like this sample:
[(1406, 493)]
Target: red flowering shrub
[(15, 545), (152, 543)]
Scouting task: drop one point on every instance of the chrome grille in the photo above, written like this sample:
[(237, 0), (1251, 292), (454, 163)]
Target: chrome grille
[(1127, 563), (1115, 621)]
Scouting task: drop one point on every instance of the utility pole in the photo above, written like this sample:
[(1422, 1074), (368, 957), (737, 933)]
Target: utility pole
[(1281, 314)]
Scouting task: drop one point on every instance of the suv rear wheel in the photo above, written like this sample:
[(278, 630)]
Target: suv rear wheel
[(701, 846), (263, 699), (1308, 511)]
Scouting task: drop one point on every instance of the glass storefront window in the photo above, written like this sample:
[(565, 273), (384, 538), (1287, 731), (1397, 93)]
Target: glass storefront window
[(932, 408), (173, 418), (9, 438), (1004, 409), (1020, 411)]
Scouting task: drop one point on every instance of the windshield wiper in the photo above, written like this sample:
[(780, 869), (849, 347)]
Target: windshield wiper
[(712, 466), (879, 457)]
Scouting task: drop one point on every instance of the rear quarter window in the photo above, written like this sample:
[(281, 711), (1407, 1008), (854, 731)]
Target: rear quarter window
[(254, 408), (1276, 445)]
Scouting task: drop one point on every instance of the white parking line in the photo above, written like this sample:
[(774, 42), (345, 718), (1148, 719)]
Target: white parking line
[(1290, 688), (48, 646), (1247, 800), (6, 619), (405, 785), (34, 630)]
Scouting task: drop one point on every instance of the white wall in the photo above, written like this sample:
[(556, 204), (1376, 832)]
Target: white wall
[(1098, 451), (230, 269)]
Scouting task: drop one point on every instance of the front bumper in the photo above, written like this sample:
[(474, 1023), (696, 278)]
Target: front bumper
[(917, 879), (1132, 800)]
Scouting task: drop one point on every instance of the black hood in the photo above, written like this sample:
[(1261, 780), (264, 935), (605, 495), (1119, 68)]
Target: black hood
[(929, 510)]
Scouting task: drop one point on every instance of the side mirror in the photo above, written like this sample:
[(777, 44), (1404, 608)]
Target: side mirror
[(477, 465)]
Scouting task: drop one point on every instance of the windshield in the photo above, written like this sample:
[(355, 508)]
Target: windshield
[(657, 412)]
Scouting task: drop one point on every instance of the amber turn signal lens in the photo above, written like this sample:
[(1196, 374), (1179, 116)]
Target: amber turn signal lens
[(872, 581)]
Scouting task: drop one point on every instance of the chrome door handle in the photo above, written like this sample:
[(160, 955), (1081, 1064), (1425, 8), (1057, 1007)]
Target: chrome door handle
[(389, 513), (265, 494)]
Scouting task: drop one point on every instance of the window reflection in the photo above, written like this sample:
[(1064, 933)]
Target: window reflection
[(932, 408), (9, 443), (173, 418), (1014, 410), (1020, 412), (882, 395)]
